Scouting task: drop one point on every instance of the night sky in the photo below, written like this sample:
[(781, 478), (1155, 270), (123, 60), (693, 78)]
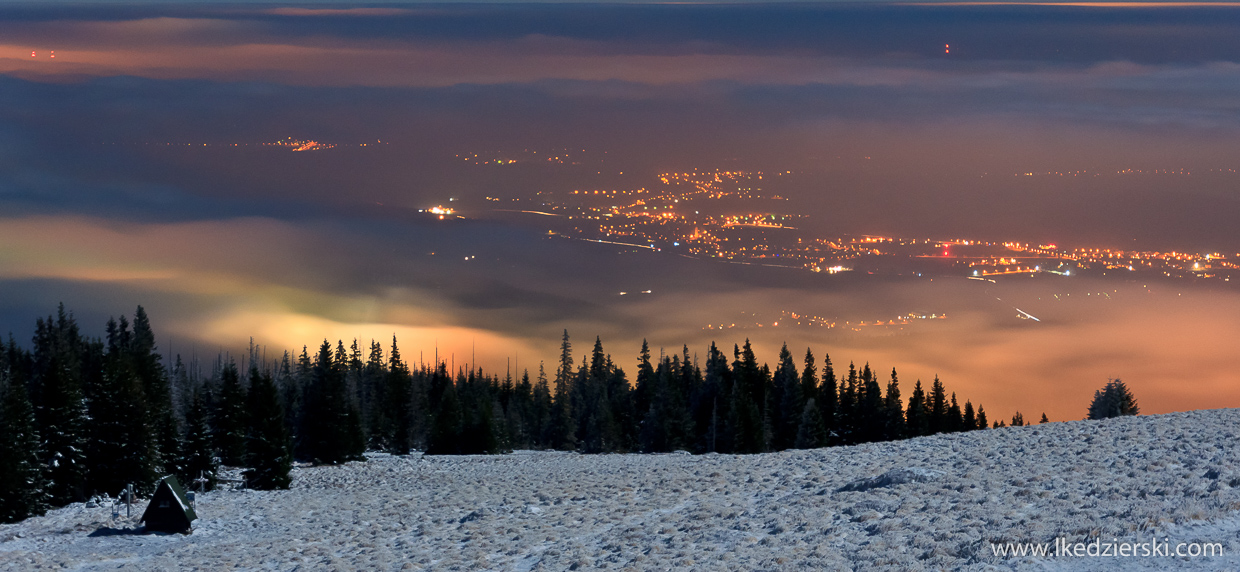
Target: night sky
[(132, 172)]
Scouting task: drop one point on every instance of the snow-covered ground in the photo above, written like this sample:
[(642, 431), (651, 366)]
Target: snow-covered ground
[(932, 503)]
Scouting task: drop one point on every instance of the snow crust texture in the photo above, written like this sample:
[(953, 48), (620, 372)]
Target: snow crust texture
[(932, 503)]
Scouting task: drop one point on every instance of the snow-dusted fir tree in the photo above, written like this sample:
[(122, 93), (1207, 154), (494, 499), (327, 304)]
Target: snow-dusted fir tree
[(122, 450), (268, 449), (331, 426), (60, 404), (230, 421), (1113, 400), (145, 359), (198, 460), (22, 484)]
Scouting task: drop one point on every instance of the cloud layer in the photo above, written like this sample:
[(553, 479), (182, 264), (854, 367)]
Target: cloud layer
[(132, 171)]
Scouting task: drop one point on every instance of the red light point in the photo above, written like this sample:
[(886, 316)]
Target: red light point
[(947, 48), (32, 54)]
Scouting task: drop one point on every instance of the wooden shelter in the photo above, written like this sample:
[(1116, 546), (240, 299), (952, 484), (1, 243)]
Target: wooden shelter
[(169, 509)]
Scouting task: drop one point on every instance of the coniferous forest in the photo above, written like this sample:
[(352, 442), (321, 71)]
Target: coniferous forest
[(85, 416)]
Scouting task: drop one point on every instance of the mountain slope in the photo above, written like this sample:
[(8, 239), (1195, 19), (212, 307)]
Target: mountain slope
[(929, 503)]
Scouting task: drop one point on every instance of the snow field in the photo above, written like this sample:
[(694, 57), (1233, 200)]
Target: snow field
[(923, 504)]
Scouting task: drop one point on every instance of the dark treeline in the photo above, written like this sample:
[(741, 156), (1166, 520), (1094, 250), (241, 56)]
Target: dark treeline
[(86, 416)]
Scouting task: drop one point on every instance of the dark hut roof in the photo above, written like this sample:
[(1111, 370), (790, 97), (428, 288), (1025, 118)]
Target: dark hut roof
[(169, 509)]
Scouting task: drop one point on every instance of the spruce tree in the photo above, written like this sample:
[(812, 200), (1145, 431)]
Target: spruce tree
[(893, 410), (480, 434), (600, 434), (791, 401), (828, 400), (355, 434), (1113, 400), (917, 418), (598, 359), (981, 418), (399, 406), (519, 413), (623, 413), (846, 416), (374, 399), (563, 434), (937, 412), (231, 424), (331, 427), (654, 433), (955, 417), (156, 388), (645, 376), (198, 458), (448, 419), (542, 406), (812, 432), (293, 391), (748, 401), (494, 439), (809, 378), (970, 420), (605, 404), (168, 438), (871, 414), (712, 403), (268, 448), (690, 382), (61, 410), (766, 433), (1044, 419), (122, 450), (23, 487)]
